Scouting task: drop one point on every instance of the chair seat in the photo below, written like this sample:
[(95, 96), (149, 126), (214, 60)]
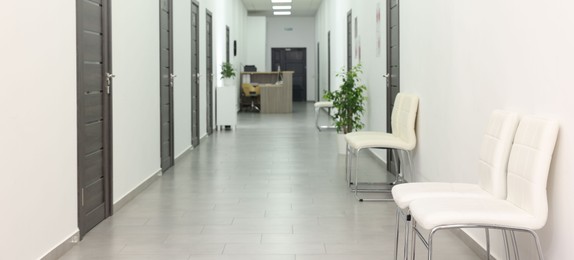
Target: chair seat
[(322, 104), (376, 139), (434, 212), (405, 193)]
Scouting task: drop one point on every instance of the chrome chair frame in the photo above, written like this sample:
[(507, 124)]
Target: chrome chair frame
[(428, 242), (402, 138), (322, 105)]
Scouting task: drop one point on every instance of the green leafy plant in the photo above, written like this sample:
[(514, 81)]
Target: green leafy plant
[(227, 70), (348, 101)]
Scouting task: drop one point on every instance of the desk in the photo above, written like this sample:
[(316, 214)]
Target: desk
[(276, 97)]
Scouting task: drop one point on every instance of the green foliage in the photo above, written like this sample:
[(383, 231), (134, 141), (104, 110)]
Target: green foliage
[(348, 101), (227, 70)]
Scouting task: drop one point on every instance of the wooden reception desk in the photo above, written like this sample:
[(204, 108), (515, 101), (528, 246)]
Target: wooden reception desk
[(276, 90)]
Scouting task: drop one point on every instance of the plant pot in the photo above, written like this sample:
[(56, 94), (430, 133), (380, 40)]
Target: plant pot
[(228, 81), (342, 143)]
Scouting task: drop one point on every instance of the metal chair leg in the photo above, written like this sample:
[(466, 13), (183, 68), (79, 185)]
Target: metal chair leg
[(538, 246), (398, 218), (487, 234), (506, 246), (406, 242), (356, 183), (514, 245)]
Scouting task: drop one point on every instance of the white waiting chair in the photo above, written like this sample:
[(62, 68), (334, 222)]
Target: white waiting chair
[(492, 164), (323, 105), (525, 207), (402, 138)]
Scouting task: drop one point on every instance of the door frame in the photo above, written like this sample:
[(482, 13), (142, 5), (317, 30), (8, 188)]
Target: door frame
[(195, 102), (349, 40), (390, 98), (107, 157), (318, 98), (329, 61), (209, 74), (171, 88)]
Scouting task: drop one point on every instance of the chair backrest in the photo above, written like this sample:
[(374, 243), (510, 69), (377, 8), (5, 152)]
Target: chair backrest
[(248, 89), (528, 167), (403, 118), (494, 152)]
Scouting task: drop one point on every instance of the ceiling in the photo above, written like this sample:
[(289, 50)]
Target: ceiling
[(300, 7)]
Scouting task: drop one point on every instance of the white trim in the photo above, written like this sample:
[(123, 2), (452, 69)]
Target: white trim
[(132, 194), (63, 247)]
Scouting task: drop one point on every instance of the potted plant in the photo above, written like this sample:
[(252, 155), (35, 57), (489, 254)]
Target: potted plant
[(349, 102), (227, 73)]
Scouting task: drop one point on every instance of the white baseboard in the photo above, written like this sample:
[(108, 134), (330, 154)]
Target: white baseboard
[(179, 156), (63, 247), (132, 194), (472, 244), (380, 160)]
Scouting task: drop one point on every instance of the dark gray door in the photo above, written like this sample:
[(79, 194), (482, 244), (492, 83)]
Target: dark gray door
[(195, 74), (393, 66), (209, 70), (349, 40), (292, 59), (94, 113), (166, 83)]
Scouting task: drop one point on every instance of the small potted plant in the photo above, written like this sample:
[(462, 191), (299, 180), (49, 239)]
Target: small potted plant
[(349, 102), (227, 73)]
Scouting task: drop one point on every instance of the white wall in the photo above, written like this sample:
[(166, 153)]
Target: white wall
[(182, 68), (256, 42), (38, 134), (301, 36), (332, 16), (135, 58), (463, 65)]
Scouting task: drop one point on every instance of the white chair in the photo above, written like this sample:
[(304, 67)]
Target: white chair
[(525, 207), (402, 138), (323, 105), (492, 164)]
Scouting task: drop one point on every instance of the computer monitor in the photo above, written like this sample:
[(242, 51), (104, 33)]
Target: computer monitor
[(250, 68)]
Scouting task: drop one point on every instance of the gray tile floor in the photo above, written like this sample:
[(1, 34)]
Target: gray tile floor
[(273, 189)]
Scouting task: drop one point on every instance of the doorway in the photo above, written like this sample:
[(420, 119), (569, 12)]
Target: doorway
[(349, 40), (194, 74), (209, 70), (393, 68), (94, 111), (318, 96), (166, 84), (329, 61), (292, 59)]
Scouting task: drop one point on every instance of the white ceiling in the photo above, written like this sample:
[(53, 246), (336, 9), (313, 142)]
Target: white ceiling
[(300, 7)]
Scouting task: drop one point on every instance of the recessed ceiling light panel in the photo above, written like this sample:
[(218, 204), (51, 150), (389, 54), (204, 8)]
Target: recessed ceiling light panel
[(282, 13), (281, 7), (281, 1)]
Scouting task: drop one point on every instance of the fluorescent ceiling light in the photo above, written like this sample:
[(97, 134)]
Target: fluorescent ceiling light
[(280, 1), (282, 13), (281, 7)]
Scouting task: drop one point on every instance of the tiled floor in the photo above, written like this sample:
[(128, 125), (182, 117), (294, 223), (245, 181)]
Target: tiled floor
[(273, 189)]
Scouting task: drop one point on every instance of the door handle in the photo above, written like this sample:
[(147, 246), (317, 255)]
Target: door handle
[(109, 77), (171, 77), (387, 75)]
